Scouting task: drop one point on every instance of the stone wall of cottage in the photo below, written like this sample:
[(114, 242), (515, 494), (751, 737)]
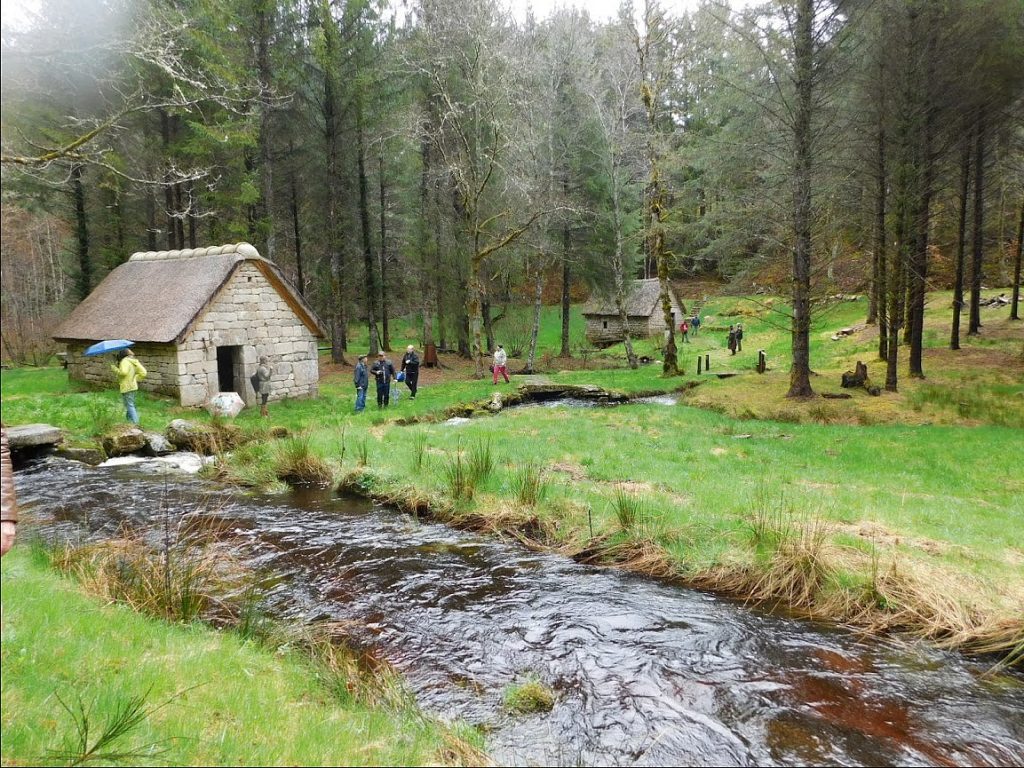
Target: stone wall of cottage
[(250, 313), (605, 330), (159, 360)]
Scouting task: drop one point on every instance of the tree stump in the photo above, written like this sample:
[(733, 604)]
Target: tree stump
[(859, 378)]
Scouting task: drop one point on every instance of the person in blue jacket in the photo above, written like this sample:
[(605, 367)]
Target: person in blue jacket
[(361, 378)]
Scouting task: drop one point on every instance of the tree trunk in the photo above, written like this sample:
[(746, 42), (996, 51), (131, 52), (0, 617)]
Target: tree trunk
[(84, 282), (618, 265), (961, 240), (800, 374), (192, 219), (1014, 304), (538, 294), (297, 233), (974, 322), (485, 316), (879, 286), (364, 222), (165, 140), (151, 228), (336, 251), (384, 327), (920, 271), (566, 283), (264, 30), (426, 249)]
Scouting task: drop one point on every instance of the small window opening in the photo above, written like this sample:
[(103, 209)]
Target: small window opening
[(249, 279), (604, 324)]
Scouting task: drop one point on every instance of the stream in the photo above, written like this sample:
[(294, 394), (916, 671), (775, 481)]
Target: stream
[(646, 673)]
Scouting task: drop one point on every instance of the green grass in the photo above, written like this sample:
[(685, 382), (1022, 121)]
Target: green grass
[(211, 698), (529, 697), (926, 477)]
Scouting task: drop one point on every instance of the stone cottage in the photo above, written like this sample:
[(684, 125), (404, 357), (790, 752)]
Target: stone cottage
[(200, 318), (643, 312)]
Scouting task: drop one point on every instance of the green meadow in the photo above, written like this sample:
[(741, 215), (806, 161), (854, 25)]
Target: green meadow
[(896, 512), (89, 682)]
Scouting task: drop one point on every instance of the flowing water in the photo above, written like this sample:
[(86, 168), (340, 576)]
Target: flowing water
[(646, 673)]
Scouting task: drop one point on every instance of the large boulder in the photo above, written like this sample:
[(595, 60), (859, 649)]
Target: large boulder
[(92, 456), (225, 404), (190, 436), (123, 441), (157, 444)]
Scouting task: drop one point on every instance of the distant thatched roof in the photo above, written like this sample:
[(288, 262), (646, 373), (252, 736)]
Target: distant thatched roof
[(156, 296), (641, 302)]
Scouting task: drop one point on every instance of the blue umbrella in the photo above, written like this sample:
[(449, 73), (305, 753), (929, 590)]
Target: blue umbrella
[(110, 345)]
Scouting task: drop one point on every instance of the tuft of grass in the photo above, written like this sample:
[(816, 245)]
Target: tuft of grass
[(630, 509), (419, 449), (529, 696), (481, 461), (458, 480), (528, 484), (362, 453), (297, 463), (179, 582)]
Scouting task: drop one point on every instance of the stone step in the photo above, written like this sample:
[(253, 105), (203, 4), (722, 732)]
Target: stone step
[(33, 436)]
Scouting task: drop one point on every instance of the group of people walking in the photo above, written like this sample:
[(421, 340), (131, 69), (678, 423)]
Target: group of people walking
[(688, 326), (735, 338), (383, 372)]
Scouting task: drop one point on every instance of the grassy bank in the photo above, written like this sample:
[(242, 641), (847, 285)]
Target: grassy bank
[(894, 512), (199, 696)]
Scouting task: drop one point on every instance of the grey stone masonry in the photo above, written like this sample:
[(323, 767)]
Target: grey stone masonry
[(160, 361), (250, 313)]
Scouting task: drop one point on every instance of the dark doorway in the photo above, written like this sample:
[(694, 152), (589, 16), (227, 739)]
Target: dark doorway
[(226, 359)]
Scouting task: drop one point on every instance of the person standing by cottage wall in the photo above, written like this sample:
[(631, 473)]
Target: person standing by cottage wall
[(500, 364), (383, 371), (8, 503), (411, 369), (264, 372), (129, 372), (732, 339), (684, 330), (361, 378)]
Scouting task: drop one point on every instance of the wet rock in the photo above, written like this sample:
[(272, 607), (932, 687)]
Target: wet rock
[(33, 436), (157, 444), (190, 436), (495, 403), (124, 441), (225, 404), (91, 456)]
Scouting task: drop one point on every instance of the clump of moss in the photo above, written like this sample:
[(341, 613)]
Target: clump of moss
[(529, 696)]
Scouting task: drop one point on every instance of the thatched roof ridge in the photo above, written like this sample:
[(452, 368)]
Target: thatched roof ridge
[(157, 296), (242, 249), (641, 301)]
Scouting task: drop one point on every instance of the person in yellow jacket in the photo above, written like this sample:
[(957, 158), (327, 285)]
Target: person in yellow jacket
[(129, 372)]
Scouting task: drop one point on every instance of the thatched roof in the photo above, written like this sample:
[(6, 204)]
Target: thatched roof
[(641, 302), (156, 296)]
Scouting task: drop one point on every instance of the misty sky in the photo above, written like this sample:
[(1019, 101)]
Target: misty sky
[(17, 13)]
